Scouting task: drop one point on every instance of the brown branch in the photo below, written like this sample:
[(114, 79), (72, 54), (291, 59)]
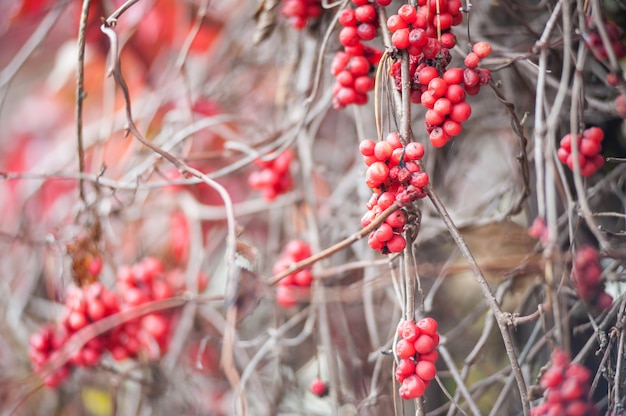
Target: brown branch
[(337, 247), (502, 319), (81, 94)]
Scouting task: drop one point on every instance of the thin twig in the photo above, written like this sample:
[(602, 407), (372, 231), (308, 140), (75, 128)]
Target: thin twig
[(39, 35), (501, 318), (81, 94), (336, 247)]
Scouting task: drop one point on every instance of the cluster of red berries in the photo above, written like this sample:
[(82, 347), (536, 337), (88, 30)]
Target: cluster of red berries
[(394, 174), (290, 285), (444, 95), (589, 147), (425, 33), (299, 12), (594, 43), (586, 273), (353, 67), (425, 30), (417, 355), (140, 283), (274, 178), (568, 386), (42, 345), (84, 306)]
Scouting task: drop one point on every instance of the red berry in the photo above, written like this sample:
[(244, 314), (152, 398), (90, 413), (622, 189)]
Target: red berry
[(438, 137), (286, 296), (452, 128), (376, 174), (366, 147), (364, 84), (431, 356), (470, 78), (455, 93), (424, 344), (562, 155), (437, 87), (412, 387), (418, 37), (420, 21), (428, 99), (375, 243), (594, 133), (303, 278), (155, 324), (396, 220), (552, 378), (365, 13), (346, 96), (443, 21), (419, 179), (345, 78), (396, 244), (414, 151), (408, 330), (395, 23), (453, 76), (589, 148), (348, 36), (359, 65), (356, 50), (405, 349), (482, 49), (405, 368), (442, 106), (425, 370), (582, 161), (385, 200), (366, 31), (396, 157), (347, 17), (339, 63), (394, 139), (484, 76), (400, 38), (571, 389), (298, 249), (384, 232), (427, 74), (407, 13), (433, 118), (383, 150), (427, 326), (432, 48), (96, 310), (460, 112), (448, 40), (318, 387)]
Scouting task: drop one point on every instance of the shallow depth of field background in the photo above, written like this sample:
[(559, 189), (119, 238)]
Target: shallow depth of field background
[(204, 91)]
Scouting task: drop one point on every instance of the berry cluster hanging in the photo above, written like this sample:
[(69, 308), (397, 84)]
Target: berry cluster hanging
[(394, 174), (417, 354)]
